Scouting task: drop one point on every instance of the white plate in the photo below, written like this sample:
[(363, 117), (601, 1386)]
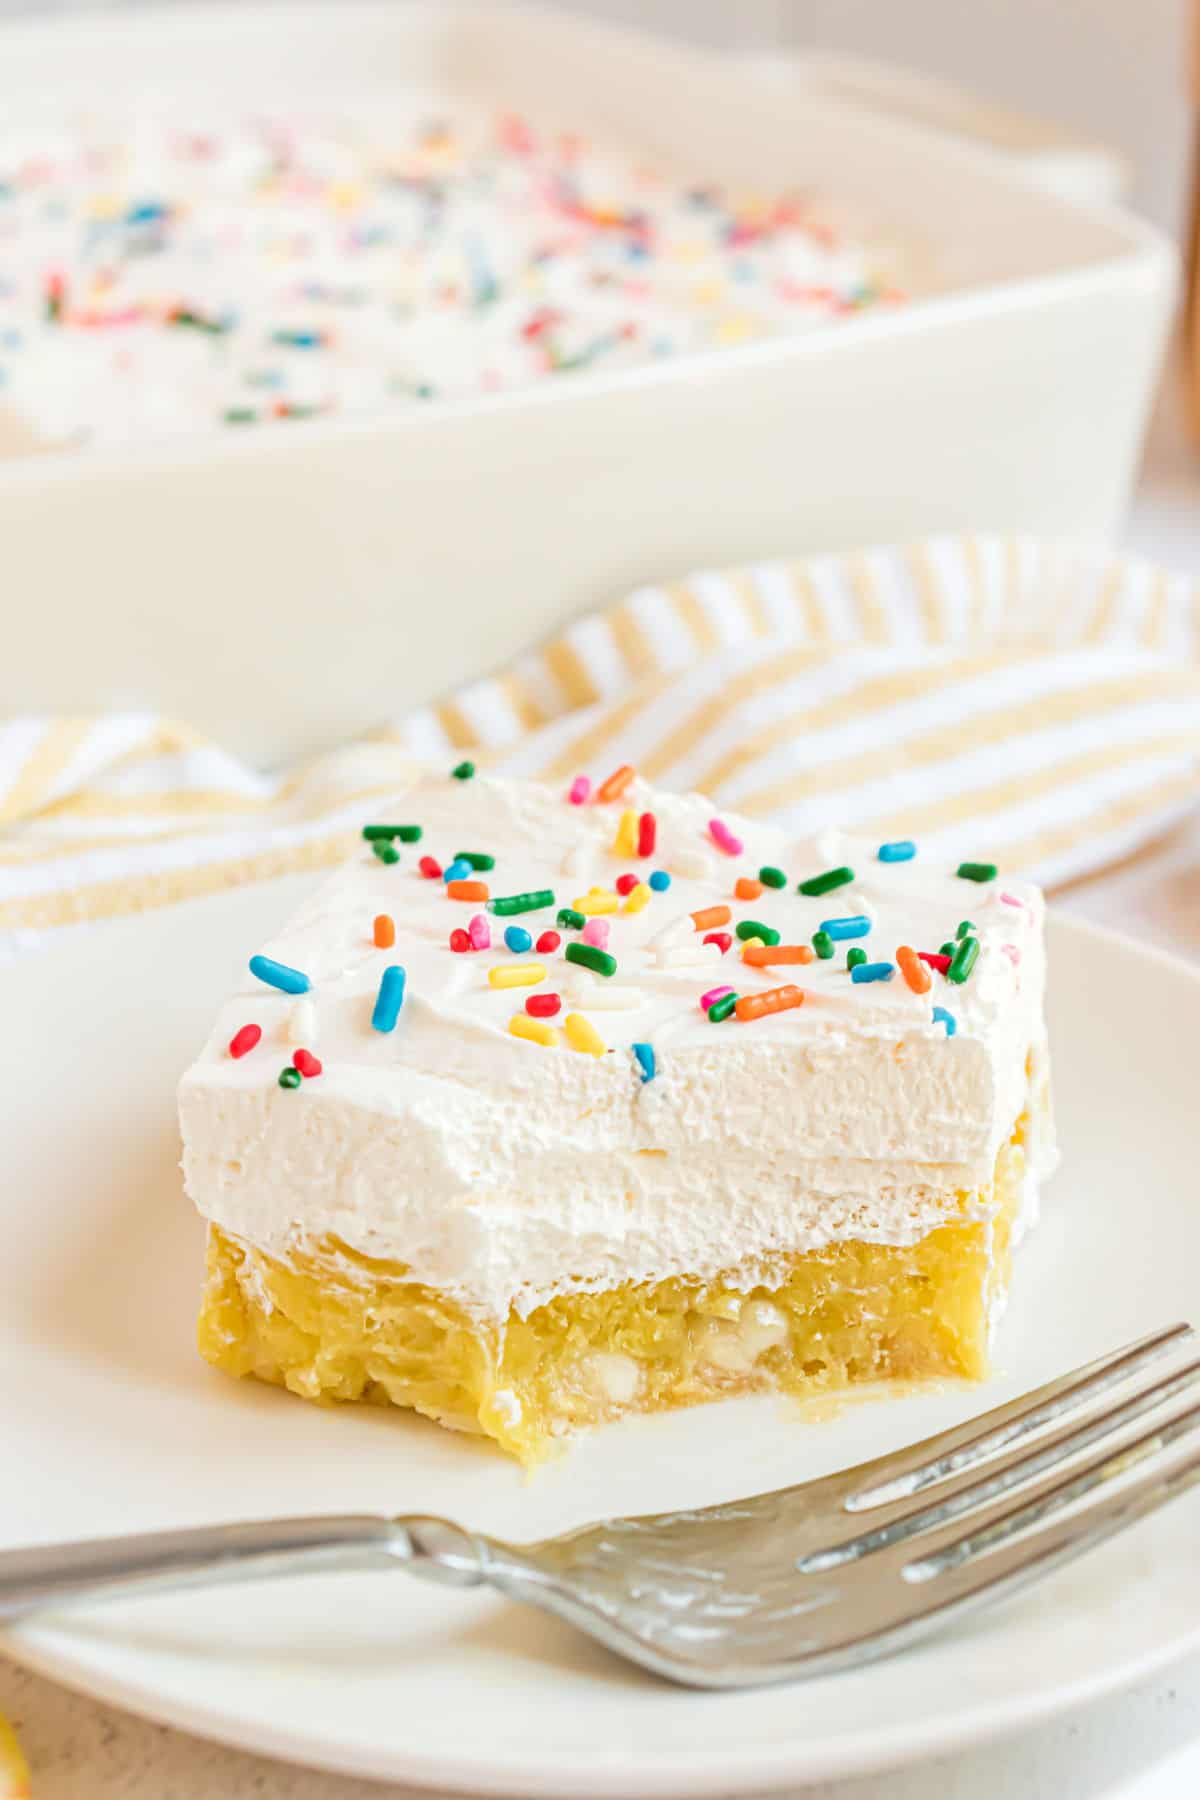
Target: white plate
[(110, 1422)]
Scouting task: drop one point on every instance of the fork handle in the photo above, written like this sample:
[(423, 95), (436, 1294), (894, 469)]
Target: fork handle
[(108, 1568)]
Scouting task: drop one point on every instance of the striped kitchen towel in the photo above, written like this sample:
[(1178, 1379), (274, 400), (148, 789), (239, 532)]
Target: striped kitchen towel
[(1035, 704)]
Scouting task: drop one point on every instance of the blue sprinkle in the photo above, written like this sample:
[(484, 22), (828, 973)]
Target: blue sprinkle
[(660, 881), (278, 975), (390, 998), (856, 925), (459, 870), (518, 939), (148, 213), (947, 1019), (873, 972), (645, 1061), (903, 850)]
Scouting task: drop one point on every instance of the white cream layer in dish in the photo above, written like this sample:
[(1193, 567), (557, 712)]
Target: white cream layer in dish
[(503, 1173)]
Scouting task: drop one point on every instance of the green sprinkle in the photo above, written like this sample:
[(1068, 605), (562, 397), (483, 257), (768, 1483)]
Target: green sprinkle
[(965, 928), (570, 920), (240, 415), (748, 928), (855, 956), (478, 859), (289, 1077), (721, 1009), (823, 945), (947, 949), (463, 771), (963, 961), (588, 956), (772, 877), (534, 901), (385, 850), (976, 871), (408, 834), (825, 884)]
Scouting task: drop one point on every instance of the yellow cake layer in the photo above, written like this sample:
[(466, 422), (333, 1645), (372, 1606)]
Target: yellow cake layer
[(334, 1325)]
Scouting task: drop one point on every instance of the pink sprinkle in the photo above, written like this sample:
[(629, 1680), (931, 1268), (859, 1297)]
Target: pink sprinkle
[(480, 933), (581, 787), (596, 932), (625, 884), (721, 939), (724, 838), (1012, 953), (935, 960), (1011, 900), (712, 996)]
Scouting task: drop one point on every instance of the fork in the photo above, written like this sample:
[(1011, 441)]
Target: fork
[(799, 1582)]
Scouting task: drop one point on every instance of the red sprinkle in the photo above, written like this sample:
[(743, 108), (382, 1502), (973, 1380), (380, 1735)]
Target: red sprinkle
[(244, 1040), (935, 960), (647, 834), (542, 1006), (721, 938), (548, 941), (459, 940), (430, 867), (306, 1062), (625, 884)]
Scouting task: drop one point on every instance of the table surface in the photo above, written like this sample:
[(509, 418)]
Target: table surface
[(1143, 1746)]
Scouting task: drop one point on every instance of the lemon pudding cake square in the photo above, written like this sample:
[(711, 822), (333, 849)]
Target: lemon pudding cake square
[(626, 1105)]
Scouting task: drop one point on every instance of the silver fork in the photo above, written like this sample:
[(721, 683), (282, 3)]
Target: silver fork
[(794, 1583)]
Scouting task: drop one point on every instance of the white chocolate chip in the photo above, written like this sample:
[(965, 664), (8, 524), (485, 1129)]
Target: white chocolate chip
[(505, 1402), (618, 1376)]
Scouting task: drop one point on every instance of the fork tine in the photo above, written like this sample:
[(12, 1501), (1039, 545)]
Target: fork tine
[(1022, 1538), (1003, 1474), (949, 1453)]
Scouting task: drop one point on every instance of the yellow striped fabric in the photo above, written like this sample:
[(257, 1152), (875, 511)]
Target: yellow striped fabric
[(1037, 705)]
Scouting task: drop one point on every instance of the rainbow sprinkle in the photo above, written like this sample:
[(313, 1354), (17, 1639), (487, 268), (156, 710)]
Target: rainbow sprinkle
[(873, 971), (389, 999), (279, 975)]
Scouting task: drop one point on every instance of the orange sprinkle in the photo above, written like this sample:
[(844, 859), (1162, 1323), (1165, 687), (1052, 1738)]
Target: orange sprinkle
[(761, 956), (385, 931), (615, 786), (746, 888), (710, 916), (467, 890), (913, 969), (774, 1000)]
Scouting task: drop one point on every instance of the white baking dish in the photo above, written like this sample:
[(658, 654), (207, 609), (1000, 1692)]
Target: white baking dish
[(288, 590)]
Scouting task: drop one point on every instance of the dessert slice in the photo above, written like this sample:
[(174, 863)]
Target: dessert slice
[(552, 1107)]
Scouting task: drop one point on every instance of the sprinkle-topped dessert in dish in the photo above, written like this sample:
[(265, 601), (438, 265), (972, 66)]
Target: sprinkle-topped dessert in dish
[(163, 275), (556, 1104)]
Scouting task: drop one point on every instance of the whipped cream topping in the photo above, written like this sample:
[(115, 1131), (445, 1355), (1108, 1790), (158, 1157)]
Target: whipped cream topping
[(167, 270), (505, 1172)]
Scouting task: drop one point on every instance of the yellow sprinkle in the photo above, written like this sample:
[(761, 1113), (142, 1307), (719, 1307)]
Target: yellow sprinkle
[(636, 898), (746, 943), (536, 1030), (735, 329), (597, 902), (516, 975), (582, 1035), (626, 841)]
